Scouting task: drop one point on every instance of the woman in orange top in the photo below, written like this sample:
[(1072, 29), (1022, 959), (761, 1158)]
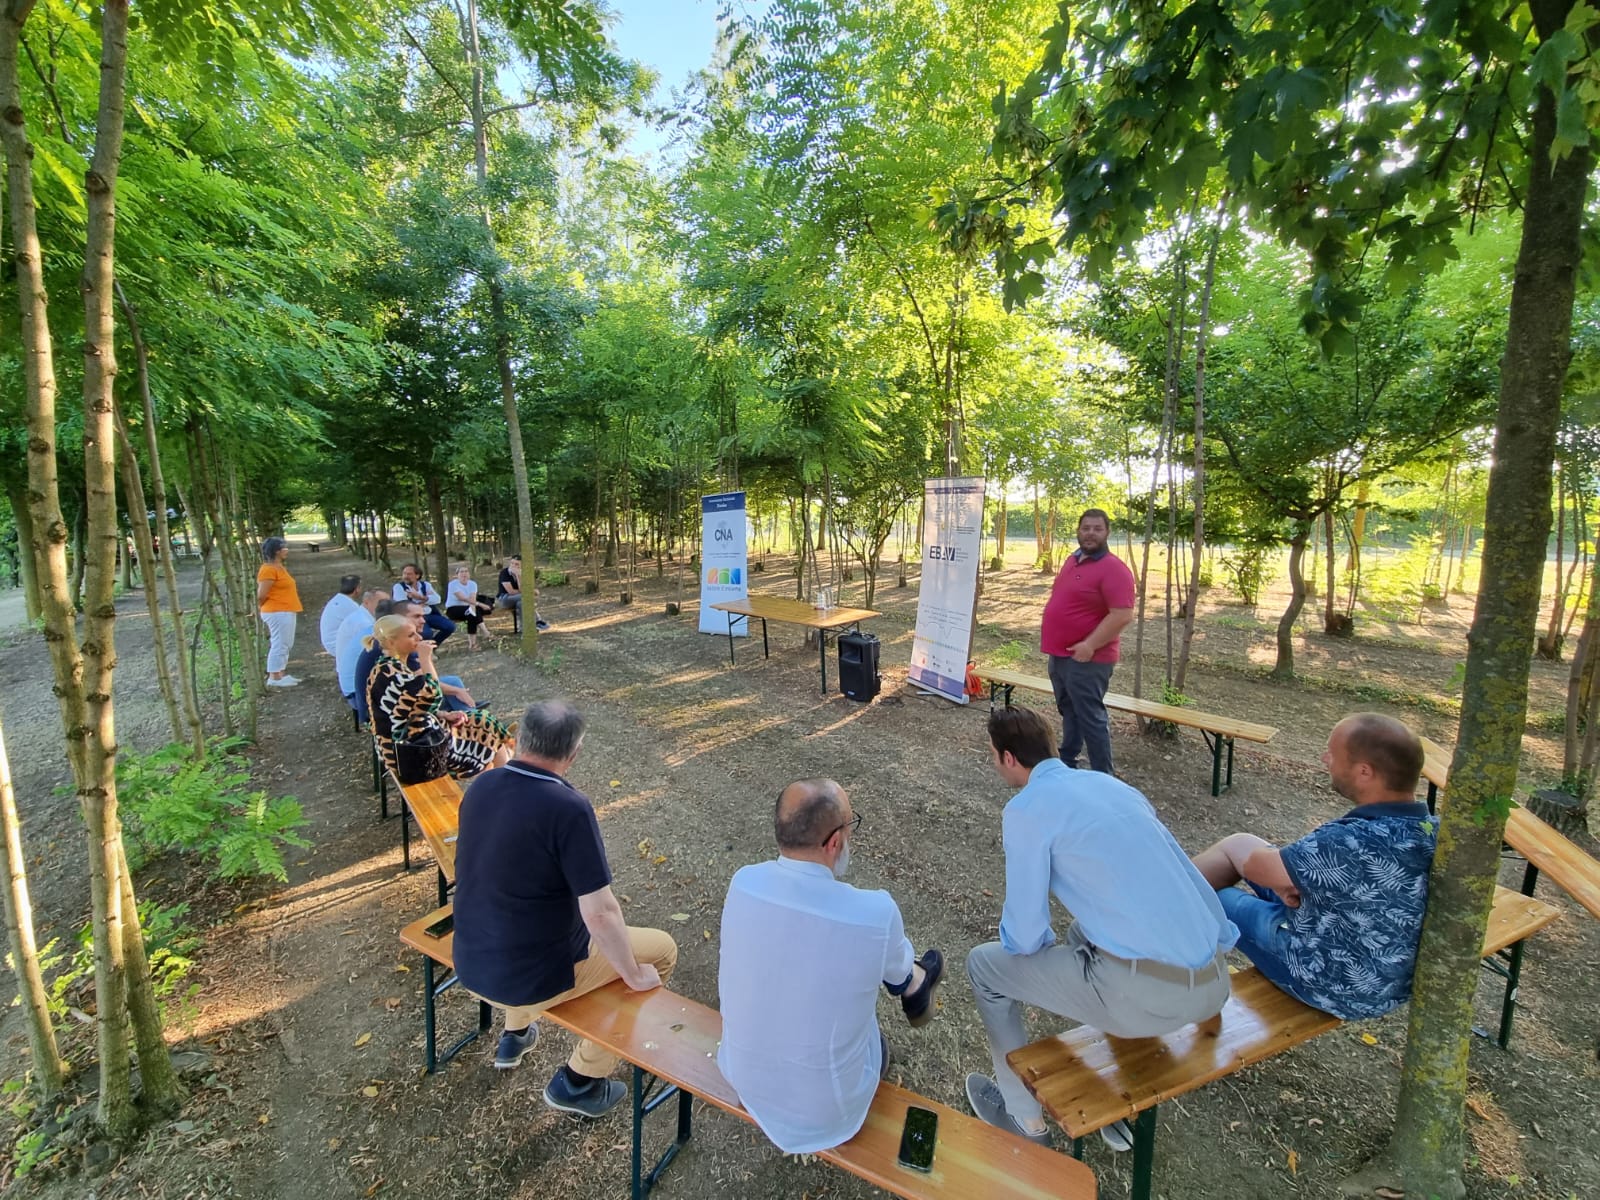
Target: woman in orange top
[(278, 600)]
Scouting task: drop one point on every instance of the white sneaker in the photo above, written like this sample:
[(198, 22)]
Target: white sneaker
[(286, 681), (1118, 1136)]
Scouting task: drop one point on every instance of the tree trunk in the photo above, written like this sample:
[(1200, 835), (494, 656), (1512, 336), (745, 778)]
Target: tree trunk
[(133, 490), (1548, 646), (1580, 688), (1284, 667), (1428, 1143), (49, 1071), (441, 536), (1192, 601), (158, 499), (502, 346), (17, 494)]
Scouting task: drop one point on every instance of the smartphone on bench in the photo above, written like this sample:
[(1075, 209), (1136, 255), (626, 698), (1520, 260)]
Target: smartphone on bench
[(917, 1138), (440, 927)]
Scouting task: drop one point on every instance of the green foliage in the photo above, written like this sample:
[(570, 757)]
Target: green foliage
[(171, 801), (168, 946), (1249, 568)]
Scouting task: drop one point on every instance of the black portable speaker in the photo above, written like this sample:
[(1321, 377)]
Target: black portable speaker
[(858, 666)]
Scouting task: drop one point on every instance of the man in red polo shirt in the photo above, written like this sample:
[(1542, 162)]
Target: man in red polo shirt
[(1090, 604)]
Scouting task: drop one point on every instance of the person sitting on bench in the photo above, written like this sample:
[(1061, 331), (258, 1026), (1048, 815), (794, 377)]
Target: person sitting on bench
[(1333, 919), (1144, 954), (509, 594), (417, 590), (336, 610), (456, 696), (802, 956), (354, 631), (535, 919)]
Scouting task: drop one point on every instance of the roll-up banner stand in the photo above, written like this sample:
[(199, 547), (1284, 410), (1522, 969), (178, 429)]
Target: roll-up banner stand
[(952, 536), (724, 566)]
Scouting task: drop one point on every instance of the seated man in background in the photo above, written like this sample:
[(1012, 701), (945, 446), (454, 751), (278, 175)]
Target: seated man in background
[(414, 588), (1333, 919), (354, 630), (536, 922), (803, 954), (456, 696), (509, 594), (336, 610), (1144, 953)]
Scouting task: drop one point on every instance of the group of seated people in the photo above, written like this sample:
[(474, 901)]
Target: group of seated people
[(384, 657), (1333, 919)]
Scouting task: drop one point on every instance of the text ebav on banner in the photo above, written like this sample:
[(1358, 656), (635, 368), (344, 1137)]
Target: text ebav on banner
[(952, 535)]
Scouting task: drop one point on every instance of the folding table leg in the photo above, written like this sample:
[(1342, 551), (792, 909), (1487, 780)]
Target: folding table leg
[(430, 1027), (1144, 1153), (731, 661)]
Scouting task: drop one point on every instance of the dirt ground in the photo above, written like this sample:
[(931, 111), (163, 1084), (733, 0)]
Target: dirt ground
[(307, 1077)]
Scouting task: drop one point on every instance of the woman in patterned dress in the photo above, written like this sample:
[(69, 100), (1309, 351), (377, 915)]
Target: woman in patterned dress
[(411, 702)]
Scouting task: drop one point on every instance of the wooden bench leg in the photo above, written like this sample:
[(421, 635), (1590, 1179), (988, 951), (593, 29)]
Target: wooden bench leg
[(1220, 781), (1507, 964), (405, 831), (644, 1103), (1433, 798), (1144, 1153)]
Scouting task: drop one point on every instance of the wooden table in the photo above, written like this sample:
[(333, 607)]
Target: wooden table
[(793, 612)]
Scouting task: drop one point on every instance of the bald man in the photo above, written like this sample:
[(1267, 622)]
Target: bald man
[(1333, 919), (803, 954)]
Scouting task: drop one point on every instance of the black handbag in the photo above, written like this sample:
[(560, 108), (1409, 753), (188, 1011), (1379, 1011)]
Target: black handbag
[(424, 757)]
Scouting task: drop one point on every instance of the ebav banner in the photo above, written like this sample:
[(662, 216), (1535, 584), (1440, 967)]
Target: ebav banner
[(952, 535), (724, 566)]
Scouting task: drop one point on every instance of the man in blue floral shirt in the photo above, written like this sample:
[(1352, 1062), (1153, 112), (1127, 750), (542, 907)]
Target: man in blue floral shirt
[(1333, 919)]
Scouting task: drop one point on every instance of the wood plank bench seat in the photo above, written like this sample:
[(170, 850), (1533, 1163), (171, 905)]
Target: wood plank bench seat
[(1544, 846), (1086, 1079), (671, 1041), (436, 805), (1219, 732)]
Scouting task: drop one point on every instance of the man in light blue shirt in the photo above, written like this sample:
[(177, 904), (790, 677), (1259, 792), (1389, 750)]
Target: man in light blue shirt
[(1144, 953), (353, 631)]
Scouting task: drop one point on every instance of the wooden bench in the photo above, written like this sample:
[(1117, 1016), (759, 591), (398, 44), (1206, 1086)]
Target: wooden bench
[(1086, 1079), (671, 1041), (436, 806), (1219, 732)]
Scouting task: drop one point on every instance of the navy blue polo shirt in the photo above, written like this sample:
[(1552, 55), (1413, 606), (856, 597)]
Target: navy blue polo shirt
[(528, 847)]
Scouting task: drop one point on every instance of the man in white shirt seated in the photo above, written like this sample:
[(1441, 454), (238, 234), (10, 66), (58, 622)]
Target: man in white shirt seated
[(353, 633), (803, 954), (336, 610), (1143, 954)]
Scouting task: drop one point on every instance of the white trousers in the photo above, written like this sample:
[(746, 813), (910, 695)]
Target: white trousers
[(280, 628)]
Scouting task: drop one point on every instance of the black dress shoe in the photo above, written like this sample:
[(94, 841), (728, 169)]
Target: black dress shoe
[(918, 1003)]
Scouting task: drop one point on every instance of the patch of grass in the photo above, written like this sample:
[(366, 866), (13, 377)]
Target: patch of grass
[(1443, 705), (1009, 654)]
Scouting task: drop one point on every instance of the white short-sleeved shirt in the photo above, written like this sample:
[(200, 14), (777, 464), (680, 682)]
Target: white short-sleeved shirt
[(464, 594), (333, 615), (802, 957)]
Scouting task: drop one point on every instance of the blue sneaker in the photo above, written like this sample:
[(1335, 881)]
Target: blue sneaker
[(599, 1098), (514, 1046)]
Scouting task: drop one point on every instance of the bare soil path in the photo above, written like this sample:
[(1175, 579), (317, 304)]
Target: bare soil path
[(310, 1012)]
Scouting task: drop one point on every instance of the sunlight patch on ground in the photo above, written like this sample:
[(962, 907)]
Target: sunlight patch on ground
[(721, 738), (623, 803), (849, 719)]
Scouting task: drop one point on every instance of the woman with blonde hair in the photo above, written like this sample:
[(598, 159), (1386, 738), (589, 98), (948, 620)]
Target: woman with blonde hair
[(408, 706)]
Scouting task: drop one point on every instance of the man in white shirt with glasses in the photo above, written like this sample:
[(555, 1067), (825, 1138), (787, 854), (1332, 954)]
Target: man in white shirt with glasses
[(803, 954)]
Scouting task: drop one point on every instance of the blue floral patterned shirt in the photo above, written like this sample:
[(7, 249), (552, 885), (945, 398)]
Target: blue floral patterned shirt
[(1351, 946)]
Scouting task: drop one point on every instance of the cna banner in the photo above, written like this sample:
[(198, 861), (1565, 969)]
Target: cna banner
[(952, 536), (724, 567)]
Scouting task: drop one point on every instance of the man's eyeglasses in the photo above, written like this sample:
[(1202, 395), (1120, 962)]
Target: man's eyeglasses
[(853, 824)]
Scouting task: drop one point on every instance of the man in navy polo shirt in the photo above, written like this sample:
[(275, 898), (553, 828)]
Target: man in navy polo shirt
[(1334, 918), (1089, 606), (535, 920)]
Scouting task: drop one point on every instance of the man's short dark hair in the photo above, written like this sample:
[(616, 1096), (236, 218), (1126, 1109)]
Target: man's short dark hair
[(1023, 732), (550, 729), (386, 606), (1095, 512), (811, 817), (1387, 746), (349, 585), (413, 566)]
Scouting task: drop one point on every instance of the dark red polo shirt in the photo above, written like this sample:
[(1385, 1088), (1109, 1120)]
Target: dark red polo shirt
[(1084, 591)]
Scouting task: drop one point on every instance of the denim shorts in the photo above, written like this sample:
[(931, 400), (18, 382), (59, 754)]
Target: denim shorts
[(1263, 922)]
